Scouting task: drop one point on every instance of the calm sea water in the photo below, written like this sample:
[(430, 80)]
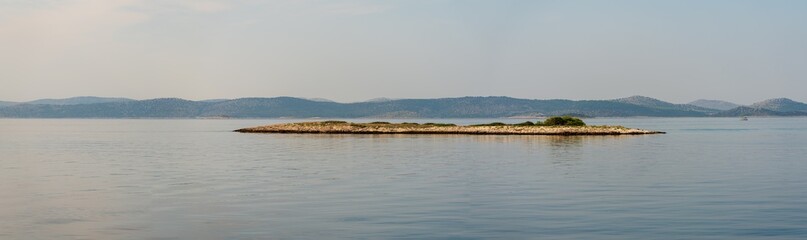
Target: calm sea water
[(708, 178)]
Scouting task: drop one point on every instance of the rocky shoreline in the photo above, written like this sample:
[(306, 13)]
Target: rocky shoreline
[(339, 127)]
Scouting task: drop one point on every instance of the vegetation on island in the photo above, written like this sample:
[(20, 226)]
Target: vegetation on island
[(565, 121), (565, 125), (552, 121), (568, 121)]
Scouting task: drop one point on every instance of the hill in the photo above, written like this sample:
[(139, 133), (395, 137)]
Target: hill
[(215, 100), (78, 100), (658, 104), (153, 108), (381, 99), (464, 107), (770, 107), (714, 104), (320, 100), (781, 105), (3, 103), (751, 111)]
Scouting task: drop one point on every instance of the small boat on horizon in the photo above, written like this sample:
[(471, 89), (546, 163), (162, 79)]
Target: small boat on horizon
[(744, 118)]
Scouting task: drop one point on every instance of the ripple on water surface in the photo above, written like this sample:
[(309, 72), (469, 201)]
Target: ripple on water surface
[(194, 179)]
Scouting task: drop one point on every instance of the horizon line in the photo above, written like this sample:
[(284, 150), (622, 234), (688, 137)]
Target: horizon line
[(320, 99)]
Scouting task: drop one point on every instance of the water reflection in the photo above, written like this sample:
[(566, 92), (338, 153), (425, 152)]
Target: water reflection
[(177, 179), (566, 150), (490, 138), (562, 152)]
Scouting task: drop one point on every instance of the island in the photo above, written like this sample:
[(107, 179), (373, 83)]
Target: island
[(551, 126)]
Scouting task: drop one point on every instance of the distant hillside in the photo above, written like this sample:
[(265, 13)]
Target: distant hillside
[(464, 107), (274, 108), (215, 100), (320, 99), (381, 99), (655, 103), (3, 103), (153, 108), (751, 111), (781, 105), (714, 104), (770, 107), (78, 100)]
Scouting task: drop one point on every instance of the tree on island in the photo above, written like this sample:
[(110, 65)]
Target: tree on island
[(551, 121), (563, 121)]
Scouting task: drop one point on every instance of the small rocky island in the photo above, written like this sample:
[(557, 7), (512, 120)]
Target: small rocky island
[(551, 126)]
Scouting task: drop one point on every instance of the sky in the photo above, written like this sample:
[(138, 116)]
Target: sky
[(677, 51)]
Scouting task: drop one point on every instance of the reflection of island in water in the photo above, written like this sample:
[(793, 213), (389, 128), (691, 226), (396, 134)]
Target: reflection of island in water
[(565, 155), (555, 147), (551, 140), (563, 150)]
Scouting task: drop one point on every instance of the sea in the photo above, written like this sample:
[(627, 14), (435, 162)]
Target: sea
[(706, 178)]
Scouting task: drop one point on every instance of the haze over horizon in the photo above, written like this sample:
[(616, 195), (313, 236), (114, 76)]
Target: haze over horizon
[(348, 51), (106, 99)]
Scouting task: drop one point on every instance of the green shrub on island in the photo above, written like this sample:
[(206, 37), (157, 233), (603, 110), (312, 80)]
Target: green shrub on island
[(333, 122), (552, 121), (527, 123), (563, 121), (490, 124)]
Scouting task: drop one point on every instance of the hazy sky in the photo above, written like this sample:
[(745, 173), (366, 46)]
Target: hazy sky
[(679, 51)]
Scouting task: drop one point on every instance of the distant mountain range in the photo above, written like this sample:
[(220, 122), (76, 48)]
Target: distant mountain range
[(68, 101), (463, 107), (714, 104), (3, 104), (658, 104), (78, 100), (781, 105)]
